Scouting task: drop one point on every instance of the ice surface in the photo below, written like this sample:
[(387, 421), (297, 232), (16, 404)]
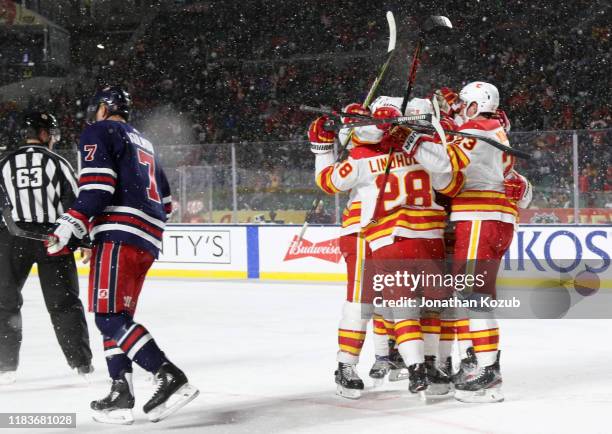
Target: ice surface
[(263, 356)]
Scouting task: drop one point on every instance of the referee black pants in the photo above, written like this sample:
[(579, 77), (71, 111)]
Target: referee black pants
[(60, 287)]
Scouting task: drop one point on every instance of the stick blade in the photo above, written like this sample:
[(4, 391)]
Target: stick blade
[(392, 31), (436, 21)]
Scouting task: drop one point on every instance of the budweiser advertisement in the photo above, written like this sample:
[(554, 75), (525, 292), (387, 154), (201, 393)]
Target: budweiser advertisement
[(327, 250), (282, 256)]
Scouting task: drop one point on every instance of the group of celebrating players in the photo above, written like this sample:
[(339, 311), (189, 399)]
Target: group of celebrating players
[(443, 197)]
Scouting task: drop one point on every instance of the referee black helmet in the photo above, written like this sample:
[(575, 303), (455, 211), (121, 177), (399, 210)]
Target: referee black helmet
[(34, 122)]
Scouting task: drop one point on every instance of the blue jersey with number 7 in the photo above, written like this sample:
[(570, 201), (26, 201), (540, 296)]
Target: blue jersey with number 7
[(122, 187)]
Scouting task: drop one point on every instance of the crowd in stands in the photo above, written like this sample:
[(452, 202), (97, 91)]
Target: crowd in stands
[(221, 72)]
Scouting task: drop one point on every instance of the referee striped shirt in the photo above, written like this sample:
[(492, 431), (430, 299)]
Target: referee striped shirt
[(39, 183)]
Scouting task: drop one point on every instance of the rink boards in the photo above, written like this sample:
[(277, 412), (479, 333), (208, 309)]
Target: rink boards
[(271, 252)]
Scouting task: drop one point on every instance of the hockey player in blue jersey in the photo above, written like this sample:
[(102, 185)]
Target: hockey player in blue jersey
[(123, 203)]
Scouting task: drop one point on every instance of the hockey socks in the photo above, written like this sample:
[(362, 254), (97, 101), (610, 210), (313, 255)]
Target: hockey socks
[(116, 360), (410, 341), (133, 340), (430, 326), (381, 341), (485, 339)]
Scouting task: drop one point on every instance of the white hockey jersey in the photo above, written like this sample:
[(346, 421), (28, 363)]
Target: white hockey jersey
[(480, 184), (408, 209)]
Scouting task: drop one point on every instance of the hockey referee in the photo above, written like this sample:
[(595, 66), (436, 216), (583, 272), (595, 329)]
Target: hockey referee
[(40, 185)]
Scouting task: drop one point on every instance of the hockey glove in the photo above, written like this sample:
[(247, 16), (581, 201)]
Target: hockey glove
[(412, 141), (395, 137), (354, 108), (515, 186), (321, 140), (68, 233), (501, 116)]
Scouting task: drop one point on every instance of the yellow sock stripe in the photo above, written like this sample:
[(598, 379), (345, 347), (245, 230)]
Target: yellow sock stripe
[(409, 337), (350, 350), (352, 335), (447, 337), (430, 329), (380, 330), (407, 322), (462, 322), (464, 336), (484, 334), (483, 348), (448, 323)]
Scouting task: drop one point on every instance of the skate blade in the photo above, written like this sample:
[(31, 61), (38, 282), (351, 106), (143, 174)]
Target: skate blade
[(86, 378), (178, 400), (7, 380), (378, 382), (493, 394), (115, 417), (398, 375), (438, 389), (348, 393)]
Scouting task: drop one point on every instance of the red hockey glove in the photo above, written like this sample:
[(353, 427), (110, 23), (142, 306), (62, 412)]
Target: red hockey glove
[(355, 108), (447, 100), (515, 186), (395, 137), (321, 140), (501, 116), (385, 112)]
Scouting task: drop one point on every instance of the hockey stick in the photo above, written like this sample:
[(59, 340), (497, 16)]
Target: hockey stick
[(409, 122), (329, 112), (433, 22), (16, 231), (368, 99), (331, 125), (7, 216)]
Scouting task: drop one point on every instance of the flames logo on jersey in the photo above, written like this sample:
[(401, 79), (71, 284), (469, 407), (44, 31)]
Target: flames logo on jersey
[(328, 250)]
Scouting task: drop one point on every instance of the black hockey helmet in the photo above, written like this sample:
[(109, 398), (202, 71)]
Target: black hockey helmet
[(35, 121), (115, 98)]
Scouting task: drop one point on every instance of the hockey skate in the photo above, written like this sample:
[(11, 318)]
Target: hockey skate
[(379, 370), (482, 386), (7, 377), (349, 385), (467, 367), (173, 392), (116, 407), (417, 377), (437, 380), (398, 370)]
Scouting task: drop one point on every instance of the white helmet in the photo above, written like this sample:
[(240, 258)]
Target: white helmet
[(419, 106), (386, 101), (485, 95)]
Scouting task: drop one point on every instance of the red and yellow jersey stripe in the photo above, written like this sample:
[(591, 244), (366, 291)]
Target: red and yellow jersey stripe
[(408, 223), (483, 205), (458, 158), (459, 161), (351, 215), (324, 180)]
